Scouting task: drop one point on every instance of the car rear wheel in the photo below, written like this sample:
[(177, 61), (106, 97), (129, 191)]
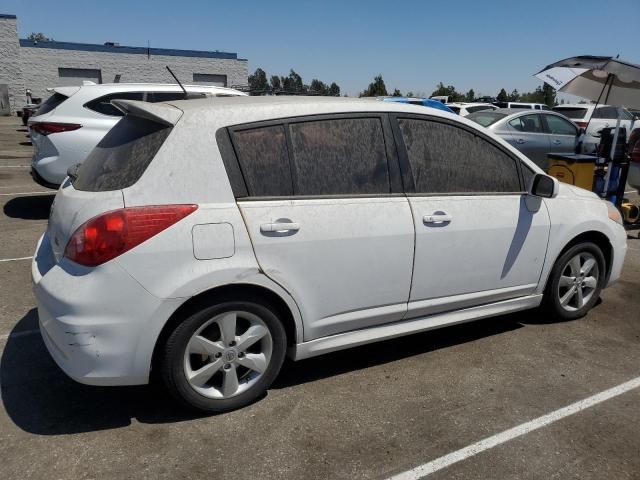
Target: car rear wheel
[(224, 356), (575, 282)]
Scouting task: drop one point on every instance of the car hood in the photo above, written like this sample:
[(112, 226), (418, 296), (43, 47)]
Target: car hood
[(573, 191)]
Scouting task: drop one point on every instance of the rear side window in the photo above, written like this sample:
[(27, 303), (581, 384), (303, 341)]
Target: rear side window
[(448, 159), (519, 105), (52, 102), (527, 124), (570, 112), (103, 104), (122, 156), (339, 157), (264, 161)]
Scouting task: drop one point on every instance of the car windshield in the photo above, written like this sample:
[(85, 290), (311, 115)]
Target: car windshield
[(486, 118), (572, 112)]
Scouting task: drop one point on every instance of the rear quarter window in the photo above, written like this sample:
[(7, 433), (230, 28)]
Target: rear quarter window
[(52, 102), (122, 156)]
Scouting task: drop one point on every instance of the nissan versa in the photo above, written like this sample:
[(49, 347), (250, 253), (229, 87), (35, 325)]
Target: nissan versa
[(202, 242)]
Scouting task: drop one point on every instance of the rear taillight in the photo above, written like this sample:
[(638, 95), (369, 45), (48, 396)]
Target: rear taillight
[(582, 124), (47, 128), (111, 234)]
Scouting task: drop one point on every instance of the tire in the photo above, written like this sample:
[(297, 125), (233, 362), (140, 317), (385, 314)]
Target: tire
[(585, 282), (207, 335)]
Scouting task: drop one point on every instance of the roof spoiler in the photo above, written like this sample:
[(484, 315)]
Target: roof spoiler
[(156, 112)]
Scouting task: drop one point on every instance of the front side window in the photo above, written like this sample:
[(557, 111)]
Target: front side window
[(560, 126), (343, 156), (527, 123), (448, 159), (264, 161)]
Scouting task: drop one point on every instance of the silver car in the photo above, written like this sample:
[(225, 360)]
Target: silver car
[(534, 133)]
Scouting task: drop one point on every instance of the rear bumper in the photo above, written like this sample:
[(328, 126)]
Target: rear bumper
[(99, 324), (41, 181)]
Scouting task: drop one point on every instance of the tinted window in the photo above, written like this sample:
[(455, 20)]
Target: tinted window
[(264, 161), (486, 118), (103, 104), (519, 105), (478, 108), (545, 107), (610, 113), (527, 123), (448, 159), (456, 109), (341, 156), (122, 156), (560, 126), (572, 112), (52, 102)]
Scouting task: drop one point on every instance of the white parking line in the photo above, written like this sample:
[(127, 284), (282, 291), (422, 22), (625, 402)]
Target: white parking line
[(490, 442), (51, 192), (15, 166), (15, 259)]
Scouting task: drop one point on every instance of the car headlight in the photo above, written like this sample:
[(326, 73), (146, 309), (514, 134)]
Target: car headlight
[(614, 213)]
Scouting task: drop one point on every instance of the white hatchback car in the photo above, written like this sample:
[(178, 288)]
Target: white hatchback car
[(466, 108), (72, 121), (203, 241)]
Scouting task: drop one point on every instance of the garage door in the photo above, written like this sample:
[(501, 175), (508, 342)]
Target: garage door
[(75, 76), (210, 79)]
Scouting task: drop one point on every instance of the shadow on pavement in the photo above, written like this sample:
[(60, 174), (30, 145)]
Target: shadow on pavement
[(31, 207), (39, 398)]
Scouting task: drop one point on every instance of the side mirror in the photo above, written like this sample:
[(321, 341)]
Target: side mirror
[(544, 186)]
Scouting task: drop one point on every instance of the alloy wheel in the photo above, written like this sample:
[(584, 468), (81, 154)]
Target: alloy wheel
[(578, 281), (228, 354)]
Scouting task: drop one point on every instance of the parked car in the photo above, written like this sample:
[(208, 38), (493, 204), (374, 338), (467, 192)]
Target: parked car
[(525, 105), (533, 133), (601, 117), (74, 119), (28, 111), (204, 241), (465, 108)]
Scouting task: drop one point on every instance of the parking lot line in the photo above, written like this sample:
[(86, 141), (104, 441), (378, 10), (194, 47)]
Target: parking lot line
[(52, 192), (495, 440), (23, 333), (15, 166), (15, 259)]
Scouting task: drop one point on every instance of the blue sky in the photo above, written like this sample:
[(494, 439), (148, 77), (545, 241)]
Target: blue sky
[(485, 45)]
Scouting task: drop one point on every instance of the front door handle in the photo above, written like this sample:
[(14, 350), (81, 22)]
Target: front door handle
[(557, 142), (520, 141), (280, 227), (437, 218)]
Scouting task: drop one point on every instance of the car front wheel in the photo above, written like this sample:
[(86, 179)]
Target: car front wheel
[(575, 282), (224, 356)]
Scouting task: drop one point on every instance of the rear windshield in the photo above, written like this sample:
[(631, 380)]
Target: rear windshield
[(122, 156), (455, 109), (571, 112), (486, 118), (52, 102)]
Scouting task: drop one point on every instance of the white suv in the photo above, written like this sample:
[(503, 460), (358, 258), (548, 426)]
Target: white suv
[(466, 108), (203, 241), (602, 117), (74, 119)]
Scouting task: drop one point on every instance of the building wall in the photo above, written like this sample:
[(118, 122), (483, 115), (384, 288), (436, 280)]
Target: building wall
[(40, 67), (10, 65), (35, 66)]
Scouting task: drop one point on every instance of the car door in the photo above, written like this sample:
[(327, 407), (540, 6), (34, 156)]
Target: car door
[(479, 239), (327, 218), (527, 134), (563, 133)]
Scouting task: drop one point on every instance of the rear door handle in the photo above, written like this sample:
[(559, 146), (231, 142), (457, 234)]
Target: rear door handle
[(521, 141), (557, 142), (280, 227), (437, 218)]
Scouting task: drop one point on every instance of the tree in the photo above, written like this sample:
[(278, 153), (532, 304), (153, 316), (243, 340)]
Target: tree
[(38, 37), (318, 87), (376, 88), (470, 96), (449, 91), (258, 82), (334, 90), (514, 96), (276, 83), (502, 96), (294, 82), (549, 95), (410, 94), (396, 93)]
